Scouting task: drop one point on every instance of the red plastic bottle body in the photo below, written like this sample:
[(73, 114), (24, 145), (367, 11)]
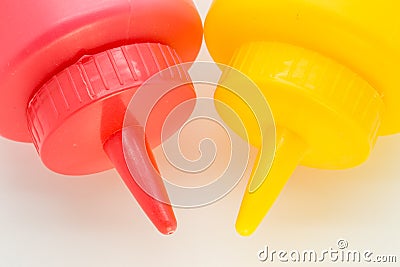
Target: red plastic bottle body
[(58, 33)]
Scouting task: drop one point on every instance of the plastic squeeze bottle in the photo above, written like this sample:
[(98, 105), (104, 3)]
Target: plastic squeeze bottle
[(328, 69), (68, 70)]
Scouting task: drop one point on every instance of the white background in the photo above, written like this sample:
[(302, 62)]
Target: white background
[(48, 219)]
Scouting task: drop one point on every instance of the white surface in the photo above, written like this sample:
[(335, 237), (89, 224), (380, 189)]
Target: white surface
[(52, 220)]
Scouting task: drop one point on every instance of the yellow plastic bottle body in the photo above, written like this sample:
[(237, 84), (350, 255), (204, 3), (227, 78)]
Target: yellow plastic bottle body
[(329, 72), (361, 35)]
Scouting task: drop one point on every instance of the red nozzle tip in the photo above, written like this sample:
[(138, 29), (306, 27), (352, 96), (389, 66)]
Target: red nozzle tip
[(134, 162)]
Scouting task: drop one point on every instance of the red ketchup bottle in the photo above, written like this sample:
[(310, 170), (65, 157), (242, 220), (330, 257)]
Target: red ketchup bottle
[(68, 70)]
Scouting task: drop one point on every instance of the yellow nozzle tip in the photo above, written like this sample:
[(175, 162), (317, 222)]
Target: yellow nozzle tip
[(290, 149), (255, 206), (251, 214), (245, 228)]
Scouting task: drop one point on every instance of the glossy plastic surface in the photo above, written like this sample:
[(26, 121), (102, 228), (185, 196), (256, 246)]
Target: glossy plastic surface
[(328, 70), (76, 111), (68, 71), (41, 38), (133, 139)]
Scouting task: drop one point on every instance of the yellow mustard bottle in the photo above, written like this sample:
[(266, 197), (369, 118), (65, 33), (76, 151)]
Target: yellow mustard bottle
[(329, 70)]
